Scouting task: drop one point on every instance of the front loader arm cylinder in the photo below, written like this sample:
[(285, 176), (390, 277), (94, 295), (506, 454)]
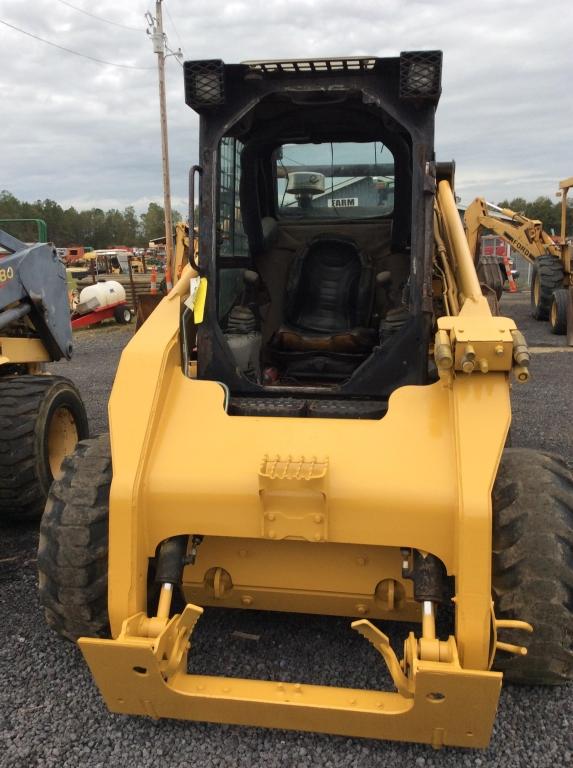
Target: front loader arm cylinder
[(171, 560), (429, 576), (10, 316), (170, 564), (431, 588)]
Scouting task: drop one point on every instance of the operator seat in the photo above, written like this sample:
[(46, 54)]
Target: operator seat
[(329, 296)]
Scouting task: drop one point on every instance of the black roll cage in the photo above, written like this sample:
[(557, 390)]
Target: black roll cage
[(251, 104)]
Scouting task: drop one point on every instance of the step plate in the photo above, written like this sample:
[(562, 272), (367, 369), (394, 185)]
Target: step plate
[(307, 408)]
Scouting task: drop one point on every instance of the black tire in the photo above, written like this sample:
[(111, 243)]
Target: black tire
[(73, 549), (546, 278), (32, 408), (122, 315), (533, 564), (558, 312)]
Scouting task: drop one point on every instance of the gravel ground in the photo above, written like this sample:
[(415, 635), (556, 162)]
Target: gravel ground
[(539, 407), (51, 713)]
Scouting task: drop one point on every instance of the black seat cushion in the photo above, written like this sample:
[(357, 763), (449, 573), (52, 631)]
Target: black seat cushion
[(329, 288), (328, 306)]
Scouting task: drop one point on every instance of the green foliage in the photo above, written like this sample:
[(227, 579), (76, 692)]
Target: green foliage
[(544, 209), (94, 227), (153, 222)]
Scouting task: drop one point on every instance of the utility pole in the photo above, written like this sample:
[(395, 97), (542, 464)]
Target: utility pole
[(158, 39)]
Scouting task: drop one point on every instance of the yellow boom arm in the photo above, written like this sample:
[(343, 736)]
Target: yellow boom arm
[(526, 236)]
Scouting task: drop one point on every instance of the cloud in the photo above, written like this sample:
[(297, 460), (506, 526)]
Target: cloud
[(86, 134)]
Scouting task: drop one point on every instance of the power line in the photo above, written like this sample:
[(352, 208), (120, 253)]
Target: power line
[(100, 18), (173, 25), (176, 54), (69, 50)]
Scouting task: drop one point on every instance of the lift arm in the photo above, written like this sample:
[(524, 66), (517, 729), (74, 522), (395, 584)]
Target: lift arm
[(526, 236)]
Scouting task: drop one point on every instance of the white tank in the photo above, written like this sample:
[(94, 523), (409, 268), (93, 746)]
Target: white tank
[(102, 294)]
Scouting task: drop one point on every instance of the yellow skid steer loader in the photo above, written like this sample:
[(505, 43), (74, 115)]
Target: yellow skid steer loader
[(314, 420)]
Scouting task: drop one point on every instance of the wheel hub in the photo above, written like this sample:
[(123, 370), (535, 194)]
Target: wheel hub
[(62, 439)]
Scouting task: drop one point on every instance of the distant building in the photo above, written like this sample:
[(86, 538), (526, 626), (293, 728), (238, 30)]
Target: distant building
[(361, 191)]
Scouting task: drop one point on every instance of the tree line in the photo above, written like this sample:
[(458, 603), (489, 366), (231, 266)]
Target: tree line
[(101, 229), (94, 227), (543, 209)]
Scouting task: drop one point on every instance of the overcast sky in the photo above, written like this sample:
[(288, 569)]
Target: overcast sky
[(87, 135)]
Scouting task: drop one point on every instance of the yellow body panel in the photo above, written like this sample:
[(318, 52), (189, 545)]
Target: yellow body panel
[(281, 502), (374, 498)]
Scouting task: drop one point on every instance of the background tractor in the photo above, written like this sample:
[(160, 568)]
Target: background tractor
[(552, 280), (42, 417), (314, 419)]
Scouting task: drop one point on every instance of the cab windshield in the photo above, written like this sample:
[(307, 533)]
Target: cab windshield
[(334, 180)]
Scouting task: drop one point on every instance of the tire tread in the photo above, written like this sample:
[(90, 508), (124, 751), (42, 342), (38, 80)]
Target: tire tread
[(22, 492), (73, 548), (533, 564), (550, 271)]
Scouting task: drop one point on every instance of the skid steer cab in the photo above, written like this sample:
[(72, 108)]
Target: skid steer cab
[(313, 420)]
